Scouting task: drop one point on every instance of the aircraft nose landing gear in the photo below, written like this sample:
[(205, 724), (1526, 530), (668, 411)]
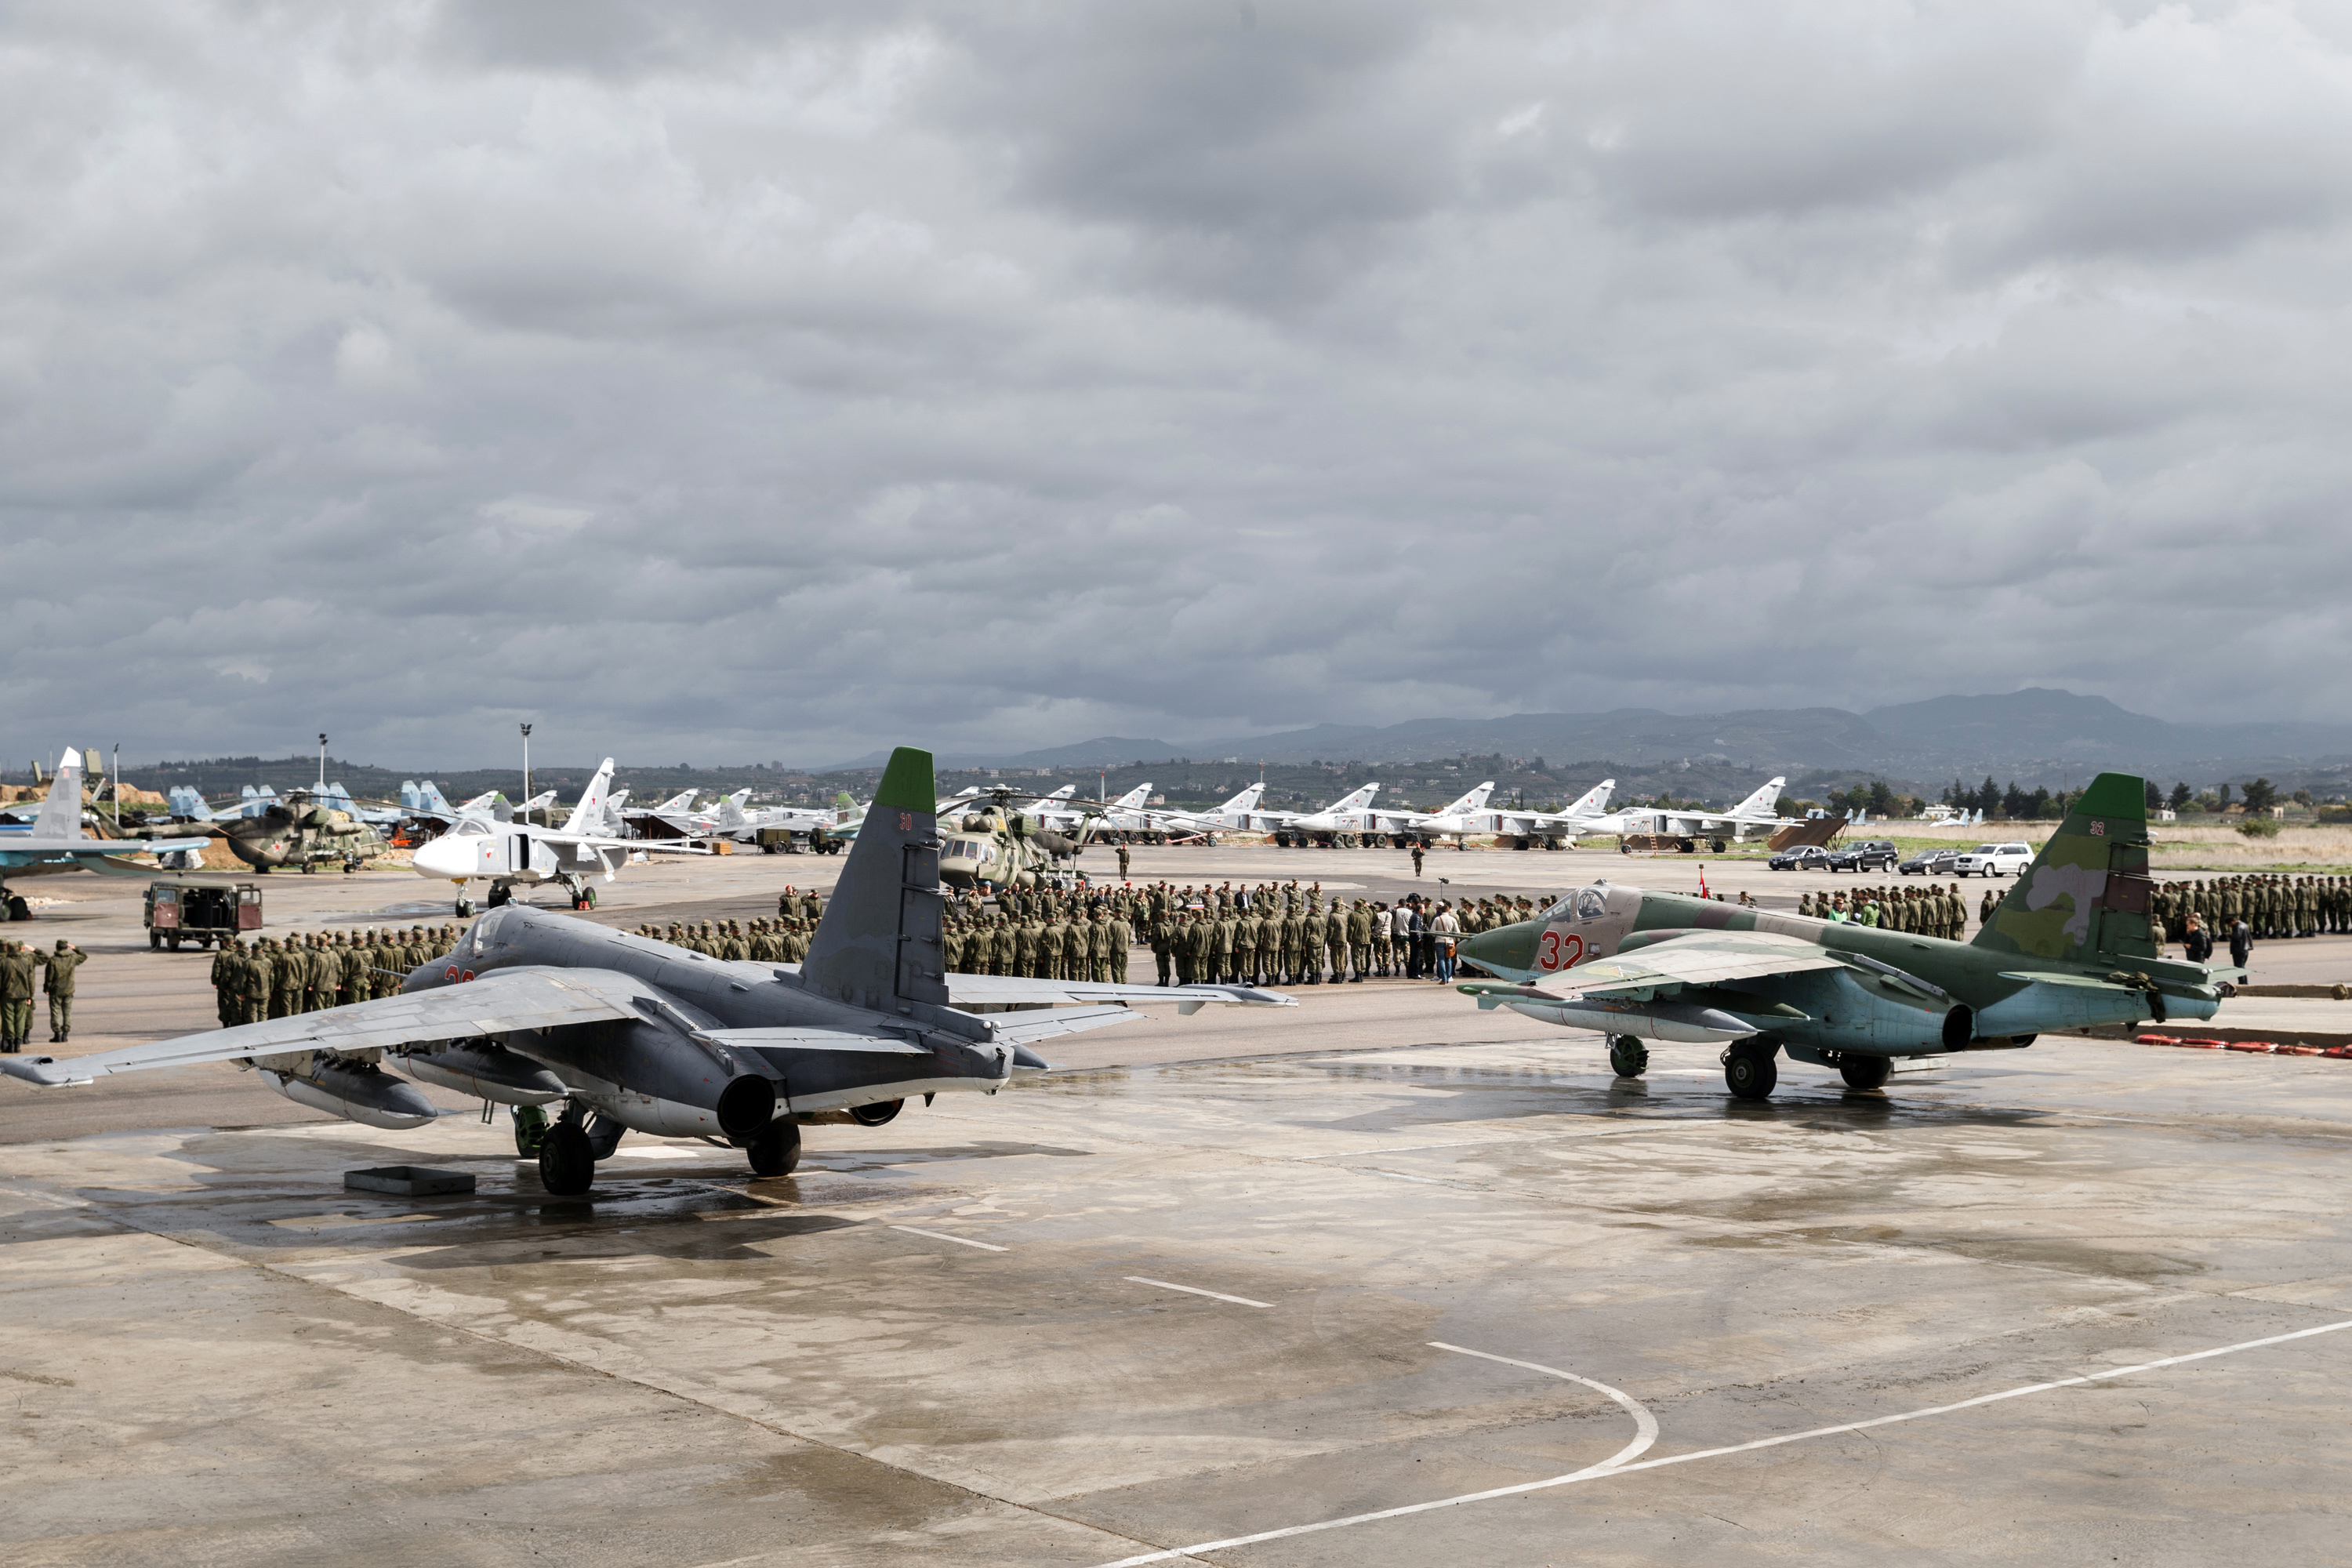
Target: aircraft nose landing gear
[(1628, 1056)]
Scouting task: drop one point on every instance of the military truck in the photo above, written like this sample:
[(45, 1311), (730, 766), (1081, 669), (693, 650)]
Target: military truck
[(203, 910)]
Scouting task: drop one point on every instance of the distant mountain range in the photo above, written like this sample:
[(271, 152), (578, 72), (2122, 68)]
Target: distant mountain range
[(2035, 736)]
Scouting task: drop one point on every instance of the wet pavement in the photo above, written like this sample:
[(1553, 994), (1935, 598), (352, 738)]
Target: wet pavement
[(1136, 1309)]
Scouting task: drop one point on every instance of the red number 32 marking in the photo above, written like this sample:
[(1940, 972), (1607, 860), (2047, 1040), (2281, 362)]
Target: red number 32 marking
[(1559, 951)]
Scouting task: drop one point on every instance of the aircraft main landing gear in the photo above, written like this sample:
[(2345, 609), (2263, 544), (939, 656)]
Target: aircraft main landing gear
[(1628, 1056), (776, 1152), (1865, 1072), (530, 1128), (567, 1162), (464, 909), (1748, 1070)]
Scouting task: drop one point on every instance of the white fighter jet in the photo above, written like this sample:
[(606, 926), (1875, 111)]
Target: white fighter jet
[(56, 843), (1521, 827), (1755, 813), (1350, 814), (1239, 814), (503, 854)]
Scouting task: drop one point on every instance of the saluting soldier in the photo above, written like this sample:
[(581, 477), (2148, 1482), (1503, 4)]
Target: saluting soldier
[(58, 983)]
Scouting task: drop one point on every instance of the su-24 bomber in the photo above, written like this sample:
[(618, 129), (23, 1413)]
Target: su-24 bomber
[(624, 1033), (2069, 948)]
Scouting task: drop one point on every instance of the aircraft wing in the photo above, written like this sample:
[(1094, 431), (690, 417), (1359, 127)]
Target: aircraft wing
[(1698, 960), (531, 997), (1020, 1029), (963, 989)]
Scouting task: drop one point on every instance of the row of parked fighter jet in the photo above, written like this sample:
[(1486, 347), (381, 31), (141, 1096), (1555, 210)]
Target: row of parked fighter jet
[(1474, 815)]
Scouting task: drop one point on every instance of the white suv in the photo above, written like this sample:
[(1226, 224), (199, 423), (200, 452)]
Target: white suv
[(1994, 860)]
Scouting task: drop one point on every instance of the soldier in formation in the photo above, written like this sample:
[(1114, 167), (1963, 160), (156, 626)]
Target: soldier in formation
[(2275, 906), (15, 996), (279, 978)]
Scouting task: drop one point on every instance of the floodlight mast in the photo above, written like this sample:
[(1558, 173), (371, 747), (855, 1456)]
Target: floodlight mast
[(526, 766)]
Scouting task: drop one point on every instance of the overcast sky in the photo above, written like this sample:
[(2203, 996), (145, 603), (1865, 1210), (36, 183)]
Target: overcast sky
[(717, 383)]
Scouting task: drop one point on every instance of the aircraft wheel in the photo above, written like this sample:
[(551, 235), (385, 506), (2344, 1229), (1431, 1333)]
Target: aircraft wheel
[(530, 1128), (1749, 1072), (173, 942), (776, 1152), (1628, 1056), (464, 909), (567, 1165), (1865, 1072), (875, 1114)]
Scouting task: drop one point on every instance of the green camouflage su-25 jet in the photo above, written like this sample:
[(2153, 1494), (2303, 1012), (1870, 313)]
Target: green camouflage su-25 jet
[(2070, 948)]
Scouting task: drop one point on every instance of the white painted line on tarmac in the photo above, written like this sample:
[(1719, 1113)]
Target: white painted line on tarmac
[(1401, 1176), (1190, 1290), (1618, 1467), (959, 1240), (1645, 1426)]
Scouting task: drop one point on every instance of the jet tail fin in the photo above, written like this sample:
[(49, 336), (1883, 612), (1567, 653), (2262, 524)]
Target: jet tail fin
[(878, 943), (588, 815), (1475, 801), (2085, 897), (60, 812), (1764, 801), (1245, 801)]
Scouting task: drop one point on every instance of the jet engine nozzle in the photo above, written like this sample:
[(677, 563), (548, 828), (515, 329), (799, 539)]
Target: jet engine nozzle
[(746, 1105)]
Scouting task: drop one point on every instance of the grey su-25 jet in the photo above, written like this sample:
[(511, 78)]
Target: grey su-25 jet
[(538, 1008), (2069, 948)]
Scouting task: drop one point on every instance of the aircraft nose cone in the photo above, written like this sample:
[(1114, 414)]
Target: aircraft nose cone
[(443, 858), (1511, 947)]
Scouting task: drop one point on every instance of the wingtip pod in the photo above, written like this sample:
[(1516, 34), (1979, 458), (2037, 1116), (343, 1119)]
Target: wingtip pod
[(44, 1072)]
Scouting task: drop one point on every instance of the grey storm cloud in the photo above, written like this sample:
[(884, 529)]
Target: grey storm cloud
[(725, 382)]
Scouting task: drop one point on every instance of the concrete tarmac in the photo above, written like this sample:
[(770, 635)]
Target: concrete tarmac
[(1226, 1275)]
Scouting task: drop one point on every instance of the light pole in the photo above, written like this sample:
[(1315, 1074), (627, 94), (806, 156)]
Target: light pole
[(322, 764), (115, 780), (526, 772)]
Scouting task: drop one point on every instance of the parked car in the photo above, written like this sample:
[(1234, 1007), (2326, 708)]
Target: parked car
[(1803, 857), (1872, 854), (1995, 860), (1931, 862)]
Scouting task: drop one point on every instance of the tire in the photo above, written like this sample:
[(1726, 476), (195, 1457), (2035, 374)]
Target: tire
[(464, 909), (1749, 1072), (567, 1165), (1865, 1072), (1627, 1057), (173, 942), (877, 1113), (776, 1152)]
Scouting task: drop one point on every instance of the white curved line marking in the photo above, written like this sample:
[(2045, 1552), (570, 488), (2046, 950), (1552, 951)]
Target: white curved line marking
[(1645, 1431), (1617, 1467), (1645, 1426)]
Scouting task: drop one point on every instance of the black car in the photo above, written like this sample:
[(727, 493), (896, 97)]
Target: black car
[(1932, 863), (1875, 854), (1804, 858)]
